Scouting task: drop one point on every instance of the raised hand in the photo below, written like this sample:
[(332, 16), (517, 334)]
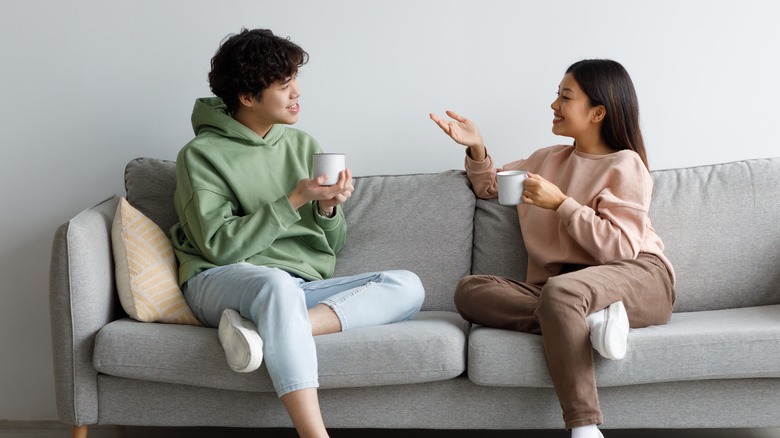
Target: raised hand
[(464, 132)]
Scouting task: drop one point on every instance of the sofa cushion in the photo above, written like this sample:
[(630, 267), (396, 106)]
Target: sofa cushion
[(150, 184), (430, 347), (498, 243), (145, 269), (422, 223), (718, 344), (719, 226)]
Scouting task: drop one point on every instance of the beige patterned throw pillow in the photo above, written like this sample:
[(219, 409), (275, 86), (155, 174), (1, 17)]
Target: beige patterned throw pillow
[(146, 270)]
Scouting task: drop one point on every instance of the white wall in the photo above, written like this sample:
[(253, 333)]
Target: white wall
[(91, 84)]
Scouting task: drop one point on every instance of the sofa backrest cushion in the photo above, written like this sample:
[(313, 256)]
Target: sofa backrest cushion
[(721, 228), (422, 223), (498, 243), (720, 225), (150, 184)]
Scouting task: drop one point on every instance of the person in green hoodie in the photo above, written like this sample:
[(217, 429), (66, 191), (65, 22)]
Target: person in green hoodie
[(258, 233)]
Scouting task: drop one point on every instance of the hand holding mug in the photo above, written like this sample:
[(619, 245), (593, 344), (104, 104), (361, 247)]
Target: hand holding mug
[(343, 191), (540, 192), (313, 189)]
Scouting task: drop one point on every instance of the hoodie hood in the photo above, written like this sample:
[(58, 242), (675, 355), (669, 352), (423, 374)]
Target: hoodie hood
[(209, 116)]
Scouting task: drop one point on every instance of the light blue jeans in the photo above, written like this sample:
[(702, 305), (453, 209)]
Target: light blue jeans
[(277, 303)]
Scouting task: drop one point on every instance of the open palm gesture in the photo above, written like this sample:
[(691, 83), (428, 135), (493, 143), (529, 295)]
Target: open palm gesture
[(462, 130)]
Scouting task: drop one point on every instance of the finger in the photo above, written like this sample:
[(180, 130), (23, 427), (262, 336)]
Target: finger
[(349, 186), (345, 180), (536, 176), (456, 116), (343, 184), (342, 179), (535, 180), (444, 126), (336, 200), (530, 183)]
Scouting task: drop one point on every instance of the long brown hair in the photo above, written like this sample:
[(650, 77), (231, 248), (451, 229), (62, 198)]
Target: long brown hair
[(607, 83)]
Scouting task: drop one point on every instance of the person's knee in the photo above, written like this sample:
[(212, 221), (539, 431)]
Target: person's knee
[(557, 297), (275, 289), (410, 287), (466, 292)]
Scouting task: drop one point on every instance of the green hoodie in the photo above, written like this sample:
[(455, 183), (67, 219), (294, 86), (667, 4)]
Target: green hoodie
[(231, 198)]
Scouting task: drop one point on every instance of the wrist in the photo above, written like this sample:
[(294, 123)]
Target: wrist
[(326, 212), (296, 198), (562, 200), (477, 153)]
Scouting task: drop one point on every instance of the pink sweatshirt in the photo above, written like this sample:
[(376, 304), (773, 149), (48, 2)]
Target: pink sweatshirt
[(603, 220)]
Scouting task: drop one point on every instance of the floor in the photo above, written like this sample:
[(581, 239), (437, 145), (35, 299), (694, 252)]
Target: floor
[(55, 430)]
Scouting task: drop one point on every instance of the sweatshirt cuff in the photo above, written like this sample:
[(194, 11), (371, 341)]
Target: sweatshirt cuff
[(328, 223), (479, 166), (284, 211), (567, 209)]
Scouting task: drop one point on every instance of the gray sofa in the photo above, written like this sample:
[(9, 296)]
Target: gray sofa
[(716, 364)]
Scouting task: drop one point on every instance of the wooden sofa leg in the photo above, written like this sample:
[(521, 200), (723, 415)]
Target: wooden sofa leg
[(80, 431)]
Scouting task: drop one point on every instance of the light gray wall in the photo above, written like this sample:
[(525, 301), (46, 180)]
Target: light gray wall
[(91, 84)]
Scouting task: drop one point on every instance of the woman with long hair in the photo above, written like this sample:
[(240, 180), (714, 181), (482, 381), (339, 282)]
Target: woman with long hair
[(595, 265)]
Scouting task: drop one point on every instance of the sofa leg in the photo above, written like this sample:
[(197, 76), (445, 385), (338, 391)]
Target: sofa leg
[(80, 431)]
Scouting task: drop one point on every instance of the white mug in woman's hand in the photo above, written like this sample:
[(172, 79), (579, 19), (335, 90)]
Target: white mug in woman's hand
[(511, 186)]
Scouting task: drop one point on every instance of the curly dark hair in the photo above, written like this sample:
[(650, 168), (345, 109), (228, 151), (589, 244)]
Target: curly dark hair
[(249, 62)]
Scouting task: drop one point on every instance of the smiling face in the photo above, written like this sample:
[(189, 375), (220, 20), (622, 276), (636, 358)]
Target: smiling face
[(573, 115), (278, 104)]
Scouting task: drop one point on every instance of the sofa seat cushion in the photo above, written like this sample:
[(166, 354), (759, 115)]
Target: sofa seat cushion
[(718, 344), (430, 347)]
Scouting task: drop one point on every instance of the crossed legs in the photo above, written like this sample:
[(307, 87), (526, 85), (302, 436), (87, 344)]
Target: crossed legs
[(558, 309), (289, 311)]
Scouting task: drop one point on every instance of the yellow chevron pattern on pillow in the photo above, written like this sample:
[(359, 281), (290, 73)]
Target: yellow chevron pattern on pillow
[(146, 269)]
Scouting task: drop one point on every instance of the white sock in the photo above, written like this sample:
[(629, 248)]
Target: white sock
[(589, 431)]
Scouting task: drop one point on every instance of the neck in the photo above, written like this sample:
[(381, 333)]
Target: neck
[(259, 128), (593, 145)]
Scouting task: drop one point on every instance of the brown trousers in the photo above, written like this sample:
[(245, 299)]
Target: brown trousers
[(557, 310)]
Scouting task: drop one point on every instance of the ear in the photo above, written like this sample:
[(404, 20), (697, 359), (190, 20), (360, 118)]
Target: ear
[(246, 99), (599, 112)]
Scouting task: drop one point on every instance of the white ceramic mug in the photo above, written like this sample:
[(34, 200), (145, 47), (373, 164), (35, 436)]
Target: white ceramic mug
[(330, 164), (510, 186)]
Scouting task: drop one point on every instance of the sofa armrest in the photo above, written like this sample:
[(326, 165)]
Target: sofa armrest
[(82, 299)]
